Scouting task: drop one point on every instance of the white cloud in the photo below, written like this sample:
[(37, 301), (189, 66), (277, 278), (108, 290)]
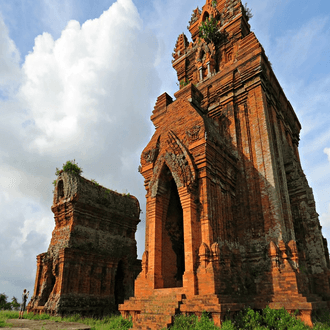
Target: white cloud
[(327, 152), (296, 46), (9, 61), (85, 95), (325, 221), (79, 84), (168, 19), (56, 14)]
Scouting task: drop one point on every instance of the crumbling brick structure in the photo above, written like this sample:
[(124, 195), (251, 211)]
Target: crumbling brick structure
[(91, 262), (231, 219)]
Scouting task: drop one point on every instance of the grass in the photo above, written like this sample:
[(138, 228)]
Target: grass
[(107, 323), (5, 315), (193, 323), (248, 319)]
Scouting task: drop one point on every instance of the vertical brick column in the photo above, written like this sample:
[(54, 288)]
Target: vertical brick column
[(38, 275), (206, 228), (62, 282), (282, 188), (190, 239), (264, 163), (155, 207)]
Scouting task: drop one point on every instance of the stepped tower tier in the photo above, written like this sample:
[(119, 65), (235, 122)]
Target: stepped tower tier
[(231, 219)]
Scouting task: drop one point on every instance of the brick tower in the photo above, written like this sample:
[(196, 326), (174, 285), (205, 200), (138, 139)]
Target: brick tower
[(91, 263), (231, 219)]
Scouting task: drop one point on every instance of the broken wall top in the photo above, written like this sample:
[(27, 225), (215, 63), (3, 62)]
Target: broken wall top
[(71, 187)]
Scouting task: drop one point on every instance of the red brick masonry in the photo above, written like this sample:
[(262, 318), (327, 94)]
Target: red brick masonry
[(231, 219), (91, 264)]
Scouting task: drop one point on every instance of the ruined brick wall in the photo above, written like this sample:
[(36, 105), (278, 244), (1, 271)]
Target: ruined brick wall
[(229, 210), (91, 262)]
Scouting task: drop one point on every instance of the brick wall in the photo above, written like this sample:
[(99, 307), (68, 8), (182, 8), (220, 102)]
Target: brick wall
[(229, 143), (91, 262)]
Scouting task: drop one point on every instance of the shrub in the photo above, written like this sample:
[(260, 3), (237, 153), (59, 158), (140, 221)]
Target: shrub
[(209, 31), (184, 83), (70, 167), (191, 322), (227, 325), (3, 302), (248, 319), (247, 11), (321, 320), (278, 319), (14, 303)]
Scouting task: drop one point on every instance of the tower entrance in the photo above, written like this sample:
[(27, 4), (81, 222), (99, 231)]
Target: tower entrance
[(119, 284), (173, 265)]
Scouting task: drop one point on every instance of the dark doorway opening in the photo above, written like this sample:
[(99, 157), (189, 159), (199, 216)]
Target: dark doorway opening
[(60, 190), (119, 284), (173, 265), (48, 287)]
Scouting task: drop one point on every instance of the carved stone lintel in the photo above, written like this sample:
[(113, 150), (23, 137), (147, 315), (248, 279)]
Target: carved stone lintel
[(193, 133), (151, 155)]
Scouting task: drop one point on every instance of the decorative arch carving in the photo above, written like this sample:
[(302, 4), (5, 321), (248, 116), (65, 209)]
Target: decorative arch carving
[(178, 160), (151, 155), (209, 10)]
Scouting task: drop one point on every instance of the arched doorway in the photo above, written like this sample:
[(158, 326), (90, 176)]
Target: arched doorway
[(60, 190), (119, 284), (173, 264)]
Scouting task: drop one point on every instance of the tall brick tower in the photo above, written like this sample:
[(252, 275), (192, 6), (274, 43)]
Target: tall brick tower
[(231, 219)]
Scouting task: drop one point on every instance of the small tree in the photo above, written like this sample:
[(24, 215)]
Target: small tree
[(3, 302), (209, 31), (15, 304), (247, 11), (70, 167)]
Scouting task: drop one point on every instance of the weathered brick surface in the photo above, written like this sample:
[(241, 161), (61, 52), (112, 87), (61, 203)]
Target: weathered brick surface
[(91, 262), (231, 219)]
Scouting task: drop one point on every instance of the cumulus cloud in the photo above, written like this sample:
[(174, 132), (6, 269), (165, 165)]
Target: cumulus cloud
[(9, 61), (85, 95), (75, 85)]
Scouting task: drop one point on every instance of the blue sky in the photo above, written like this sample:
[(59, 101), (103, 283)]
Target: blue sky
[(79, 79)]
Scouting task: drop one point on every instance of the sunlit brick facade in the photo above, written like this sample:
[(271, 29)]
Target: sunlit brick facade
[(231, 219)]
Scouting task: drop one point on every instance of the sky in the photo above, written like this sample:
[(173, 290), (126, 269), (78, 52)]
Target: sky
[(79, 79)]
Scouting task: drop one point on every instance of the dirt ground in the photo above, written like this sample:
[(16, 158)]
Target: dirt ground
[(25, 324)]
